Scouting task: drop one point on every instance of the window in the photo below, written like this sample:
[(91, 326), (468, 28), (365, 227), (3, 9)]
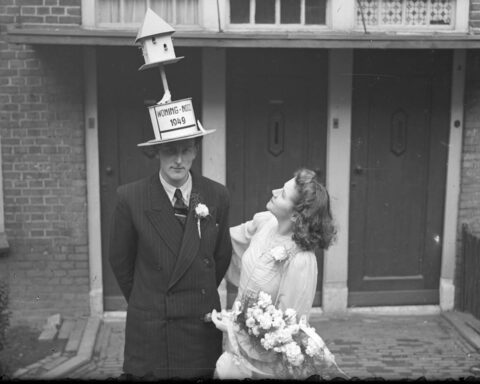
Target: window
[(278, 12), (130, 13), (406, 13)]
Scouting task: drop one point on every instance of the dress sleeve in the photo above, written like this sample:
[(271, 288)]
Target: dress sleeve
[(241, 235), (299, 283)]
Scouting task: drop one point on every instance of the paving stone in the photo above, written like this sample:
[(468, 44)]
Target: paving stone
[(55, 362), (66, 329), (76, 336)]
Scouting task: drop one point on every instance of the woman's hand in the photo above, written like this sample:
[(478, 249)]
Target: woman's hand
[(220, 320)]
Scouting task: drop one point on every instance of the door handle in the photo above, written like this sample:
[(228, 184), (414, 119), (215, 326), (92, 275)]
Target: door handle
[(109, 171), (358, 170)]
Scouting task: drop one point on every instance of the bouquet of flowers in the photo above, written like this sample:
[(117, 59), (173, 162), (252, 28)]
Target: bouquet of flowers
[(302, 351)]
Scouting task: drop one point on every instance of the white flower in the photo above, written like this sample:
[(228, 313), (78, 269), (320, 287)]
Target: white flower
[(256, 330), (271, 309), (264, 300), (250, 322), (201, 210), (267, 341), (279, 253), (283, 336), (265, 321), (294, 354), (256, 313), (278, 322)]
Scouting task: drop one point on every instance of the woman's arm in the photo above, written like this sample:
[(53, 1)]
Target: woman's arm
[(299, 283), (241, 236)]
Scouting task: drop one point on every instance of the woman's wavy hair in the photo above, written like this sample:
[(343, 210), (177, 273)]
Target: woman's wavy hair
[(313, 226)]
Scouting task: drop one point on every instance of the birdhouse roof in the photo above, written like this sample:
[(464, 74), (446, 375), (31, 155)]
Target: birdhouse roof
[(153, 25)]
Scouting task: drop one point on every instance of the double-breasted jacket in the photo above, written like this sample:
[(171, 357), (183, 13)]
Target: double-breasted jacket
[(169, 276)]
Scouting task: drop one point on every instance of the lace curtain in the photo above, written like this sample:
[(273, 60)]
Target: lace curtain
[(132, 12)]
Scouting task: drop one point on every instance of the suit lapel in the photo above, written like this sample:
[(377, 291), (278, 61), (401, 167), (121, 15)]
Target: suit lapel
[(162, 217), (190, 242)]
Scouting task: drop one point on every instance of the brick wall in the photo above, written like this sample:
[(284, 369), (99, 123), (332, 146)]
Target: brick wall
[(469, 204), (469, 208), (43, 159), (475, 15)]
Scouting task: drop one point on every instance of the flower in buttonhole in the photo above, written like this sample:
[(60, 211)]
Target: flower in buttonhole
[(279, 253), (201, 210), (264, 300)]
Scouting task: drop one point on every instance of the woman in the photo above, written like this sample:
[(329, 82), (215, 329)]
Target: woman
[(274, 253)]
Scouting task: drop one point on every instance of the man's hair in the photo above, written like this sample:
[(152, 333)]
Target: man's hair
[(313, 226), (152, 151)]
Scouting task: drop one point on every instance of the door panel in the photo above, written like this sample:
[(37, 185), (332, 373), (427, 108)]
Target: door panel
[(123, 96), (399, 152), (276, 119)]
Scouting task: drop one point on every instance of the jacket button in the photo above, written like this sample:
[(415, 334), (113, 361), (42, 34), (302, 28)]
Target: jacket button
[(206, 261), (203, 291)]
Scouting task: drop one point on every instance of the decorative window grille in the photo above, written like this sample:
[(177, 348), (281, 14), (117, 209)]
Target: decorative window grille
[(130, 13), (278, 12), (418, 13)]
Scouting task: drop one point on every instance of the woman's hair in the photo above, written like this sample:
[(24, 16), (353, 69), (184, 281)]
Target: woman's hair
[(314, 224)]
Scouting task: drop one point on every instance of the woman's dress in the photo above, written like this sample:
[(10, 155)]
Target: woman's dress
[(290, 278)]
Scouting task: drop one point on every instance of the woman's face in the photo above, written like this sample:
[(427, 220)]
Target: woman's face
[(283, 200)]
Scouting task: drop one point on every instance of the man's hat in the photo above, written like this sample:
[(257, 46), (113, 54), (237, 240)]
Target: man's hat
[(173, 122)]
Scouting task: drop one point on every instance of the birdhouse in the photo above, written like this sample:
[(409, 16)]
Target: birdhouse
[(155, 37)]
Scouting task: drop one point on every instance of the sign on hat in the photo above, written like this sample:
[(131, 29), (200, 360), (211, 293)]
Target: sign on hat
[(174, 121)]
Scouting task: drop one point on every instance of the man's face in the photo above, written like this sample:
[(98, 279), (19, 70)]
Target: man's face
[(176, 159)]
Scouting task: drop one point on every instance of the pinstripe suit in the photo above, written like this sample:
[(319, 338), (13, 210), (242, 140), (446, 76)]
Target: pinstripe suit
[(169, 277)]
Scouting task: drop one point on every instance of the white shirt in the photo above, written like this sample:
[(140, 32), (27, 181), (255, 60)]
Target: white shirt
[(186, 189)]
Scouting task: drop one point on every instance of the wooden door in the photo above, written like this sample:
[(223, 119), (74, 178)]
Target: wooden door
[(123, 96), (276, 123), (399, 153)]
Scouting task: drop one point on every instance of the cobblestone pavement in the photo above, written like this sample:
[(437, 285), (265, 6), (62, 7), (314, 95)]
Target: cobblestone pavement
[(365, 346), (107, 357)]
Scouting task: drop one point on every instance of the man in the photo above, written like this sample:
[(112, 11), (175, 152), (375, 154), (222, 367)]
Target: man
[(169, 250)]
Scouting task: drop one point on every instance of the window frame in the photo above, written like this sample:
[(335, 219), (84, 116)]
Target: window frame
[(277, 26), (90, 18)]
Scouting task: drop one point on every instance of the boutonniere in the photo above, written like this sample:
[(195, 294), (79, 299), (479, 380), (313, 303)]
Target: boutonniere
[(201, 212)]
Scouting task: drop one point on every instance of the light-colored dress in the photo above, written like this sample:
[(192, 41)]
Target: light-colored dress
[(291, 282)]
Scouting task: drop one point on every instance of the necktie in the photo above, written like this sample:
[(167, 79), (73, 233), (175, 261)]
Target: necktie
[(180, 208)]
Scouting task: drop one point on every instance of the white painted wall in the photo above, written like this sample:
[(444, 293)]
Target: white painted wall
[(214, 116), (93, 182), (335, 273), (447, 274)]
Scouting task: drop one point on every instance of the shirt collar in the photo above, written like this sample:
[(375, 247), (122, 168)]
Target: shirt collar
[(186, 189)]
